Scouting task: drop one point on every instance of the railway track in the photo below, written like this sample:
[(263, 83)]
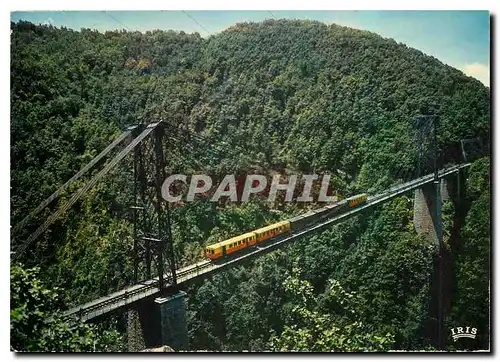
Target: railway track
[(149, 288)]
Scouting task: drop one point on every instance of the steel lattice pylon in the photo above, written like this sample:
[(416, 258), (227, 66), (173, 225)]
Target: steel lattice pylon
[(152, 230), (426, 144)]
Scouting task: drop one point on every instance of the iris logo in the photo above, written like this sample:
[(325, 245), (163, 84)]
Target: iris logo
[(462, 332)]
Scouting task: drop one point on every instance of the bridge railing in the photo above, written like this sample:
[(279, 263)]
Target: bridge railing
[(133, 294)]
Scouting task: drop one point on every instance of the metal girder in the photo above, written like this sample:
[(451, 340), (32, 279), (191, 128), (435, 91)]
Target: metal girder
[(153, 242)]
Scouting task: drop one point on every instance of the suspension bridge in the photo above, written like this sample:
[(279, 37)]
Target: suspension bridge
[(153, 242)]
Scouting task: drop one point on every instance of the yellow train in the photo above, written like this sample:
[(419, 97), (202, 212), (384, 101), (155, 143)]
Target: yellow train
[(229, 246)]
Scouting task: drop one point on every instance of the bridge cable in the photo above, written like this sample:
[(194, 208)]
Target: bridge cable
[(196, 21), (56, 194), (84, 309), (118, 21), (22, 248)]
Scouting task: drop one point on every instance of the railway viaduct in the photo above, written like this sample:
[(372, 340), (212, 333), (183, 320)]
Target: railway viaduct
[(156, 318), (156, 308)]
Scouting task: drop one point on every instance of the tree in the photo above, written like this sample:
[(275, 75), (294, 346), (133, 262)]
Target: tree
[(316, 327), (278, 95), (37, 325), (471, 297)]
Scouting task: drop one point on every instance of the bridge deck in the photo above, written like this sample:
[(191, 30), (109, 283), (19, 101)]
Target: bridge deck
[(149, 288)]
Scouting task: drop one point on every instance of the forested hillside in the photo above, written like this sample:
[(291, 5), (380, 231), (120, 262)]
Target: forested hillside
[(279, 95)]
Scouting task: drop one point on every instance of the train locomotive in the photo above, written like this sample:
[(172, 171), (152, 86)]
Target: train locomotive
[(229, 246)]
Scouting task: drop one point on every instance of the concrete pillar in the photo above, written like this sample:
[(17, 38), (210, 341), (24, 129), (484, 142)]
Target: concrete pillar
[(173, 323), (159, 322), (424, 213), (445, 189)]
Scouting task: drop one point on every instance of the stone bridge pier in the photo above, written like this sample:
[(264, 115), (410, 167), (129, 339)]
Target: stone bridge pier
[(427, 206), (428, 221), (158, 322)]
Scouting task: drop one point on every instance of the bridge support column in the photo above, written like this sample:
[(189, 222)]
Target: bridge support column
[(425, 216), (424, 212), (158, 322), (445, 189), (428, 221), (173, 323)]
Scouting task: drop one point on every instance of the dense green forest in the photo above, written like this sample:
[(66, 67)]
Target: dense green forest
[(299, 96)]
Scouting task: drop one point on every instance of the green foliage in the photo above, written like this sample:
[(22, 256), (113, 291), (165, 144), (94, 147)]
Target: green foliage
[(471, 299), (337, 330), (37, 325), (478, 183), (290, 95)]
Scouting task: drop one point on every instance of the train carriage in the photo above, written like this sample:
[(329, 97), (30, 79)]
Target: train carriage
[(229, 246), (226, 247), (271, 231), (357, 200), (214, 251), (239, 242)]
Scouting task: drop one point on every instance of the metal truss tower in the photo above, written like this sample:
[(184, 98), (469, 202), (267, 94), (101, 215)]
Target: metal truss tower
[(153, 243)]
